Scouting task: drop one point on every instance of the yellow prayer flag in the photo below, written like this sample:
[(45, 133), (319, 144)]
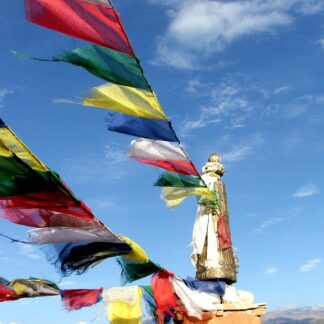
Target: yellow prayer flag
[(122, 311), (137, 253), (174, 196), (126, 100), (10, 144)]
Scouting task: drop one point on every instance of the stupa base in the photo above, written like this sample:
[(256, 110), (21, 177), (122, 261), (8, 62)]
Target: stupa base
[(229, 314)]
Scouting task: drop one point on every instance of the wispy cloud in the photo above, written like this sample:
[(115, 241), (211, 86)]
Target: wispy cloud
[(226, 102), (310, 265), (3, 94), (321, 42), (243, 149), (98, 169), (28, 251), (198, 29), (270, 271), (279, 217), (306, 191)]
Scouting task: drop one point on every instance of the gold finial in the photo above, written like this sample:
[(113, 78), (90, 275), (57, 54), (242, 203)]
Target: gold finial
[(214, 167), (214, 157)]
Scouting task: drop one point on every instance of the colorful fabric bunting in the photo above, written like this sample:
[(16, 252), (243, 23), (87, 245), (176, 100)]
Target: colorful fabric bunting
[(126, 100), (164, 295), (175, 196), (34, 287), (136, 264), (94, 21), (168, 179), (104, 63), (74, 299), (141, 127), (124, 305), (30, 193)]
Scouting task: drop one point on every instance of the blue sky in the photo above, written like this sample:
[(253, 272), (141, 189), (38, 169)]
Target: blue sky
[(242, 78)]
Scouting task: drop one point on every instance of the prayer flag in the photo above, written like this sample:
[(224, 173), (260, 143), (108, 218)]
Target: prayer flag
[(141, 127), (124, 304), (94, 21), (165, 298), (74, 299), (7, 293), (126, 100), (168, 179), (136, 264), (174, 196), (147, 149), (104, 63), (34, 287)]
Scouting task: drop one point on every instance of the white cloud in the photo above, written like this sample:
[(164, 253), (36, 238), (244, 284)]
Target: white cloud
[(310, 7), (28, 251), (81, 322), (321, 42), (95, 169), (279, 217), (229, 100), (306, 191), (270, 271), (282, 89), (310, 265), (200, 28), (245, 148), (3, 94)]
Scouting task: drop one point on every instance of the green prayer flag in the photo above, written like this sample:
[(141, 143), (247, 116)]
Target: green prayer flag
[(104, 63), (169, 179)]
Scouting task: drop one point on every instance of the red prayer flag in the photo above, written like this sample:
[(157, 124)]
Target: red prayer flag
[(182, 167), (75, 299), (91, 20), (166, 300), (7, 294), (223, 232)]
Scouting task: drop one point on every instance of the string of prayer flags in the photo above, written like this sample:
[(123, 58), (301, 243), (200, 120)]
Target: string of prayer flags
[(141, 127), (92, 20), (124, 304), (75, 299), (72, 238), (31, 194), (137, 111), (104, 63)]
